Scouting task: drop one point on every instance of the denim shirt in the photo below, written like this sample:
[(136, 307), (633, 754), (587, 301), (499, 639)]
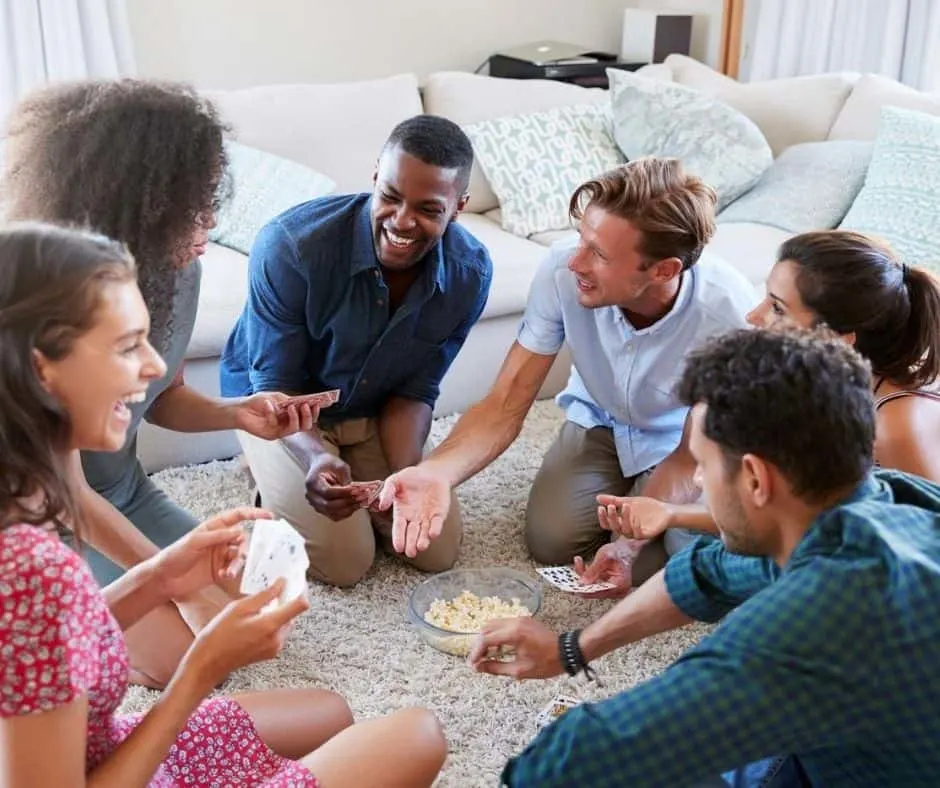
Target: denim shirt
[(317, 315)]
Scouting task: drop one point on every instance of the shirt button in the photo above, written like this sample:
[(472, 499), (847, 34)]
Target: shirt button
[(380, 302), (364, 382)]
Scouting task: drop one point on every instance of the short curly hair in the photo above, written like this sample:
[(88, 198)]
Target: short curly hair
[(135, 160), (798, 399)]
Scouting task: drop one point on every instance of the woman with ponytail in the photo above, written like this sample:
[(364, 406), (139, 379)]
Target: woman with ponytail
[(889, 311)]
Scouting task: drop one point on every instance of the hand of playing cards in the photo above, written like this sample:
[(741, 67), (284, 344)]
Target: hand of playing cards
[(275, 550), (366, 492), (566, 579), (322, 399)]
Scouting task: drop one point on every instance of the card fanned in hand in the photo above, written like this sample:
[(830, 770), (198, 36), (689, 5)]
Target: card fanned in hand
[(566, 579), (275, 550)]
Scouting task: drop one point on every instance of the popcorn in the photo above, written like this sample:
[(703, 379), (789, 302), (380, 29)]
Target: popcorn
[(468, 612)]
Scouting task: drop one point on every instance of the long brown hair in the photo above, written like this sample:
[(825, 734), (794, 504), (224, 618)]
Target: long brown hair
[(135, 160), (50, 290), (856, 284), (675, 211)]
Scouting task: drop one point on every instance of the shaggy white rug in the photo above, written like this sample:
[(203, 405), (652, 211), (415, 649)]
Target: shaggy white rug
[(358, 642)]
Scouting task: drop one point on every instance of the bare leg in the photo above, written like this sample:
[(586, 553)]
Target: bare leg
[(404, 750), (293, 722), (156, 644)]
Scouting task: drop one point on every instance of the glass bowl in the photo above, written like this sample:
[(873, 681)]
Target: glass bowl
[(507, 584)]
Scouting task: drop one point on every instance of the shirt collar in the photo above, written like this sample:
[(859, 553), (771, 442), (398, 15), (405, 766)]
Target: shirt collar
[(686, 286), (365, 259)]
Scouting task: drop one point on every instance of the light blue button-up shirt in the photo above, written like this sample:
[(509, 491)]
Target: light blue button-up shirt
[(623, 378)]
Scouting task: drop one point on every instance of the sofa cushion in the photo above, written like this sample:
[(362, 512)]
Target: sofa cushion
[(515, 261), (336, 129), (860, 117), (810, 186), (900, 201), (534, 162), (749, 247), (787, 111), (261, 186), (222, 296), (471, 98), (714, 141)]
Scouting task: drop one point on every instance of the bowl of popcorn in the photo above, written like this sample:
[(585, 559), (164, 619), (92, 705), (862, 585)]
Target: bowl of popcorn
[(450, 609)]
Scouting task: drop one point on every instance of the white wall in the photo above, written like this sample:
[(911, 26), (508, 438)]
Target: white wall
[(706, 24), (236, 43)]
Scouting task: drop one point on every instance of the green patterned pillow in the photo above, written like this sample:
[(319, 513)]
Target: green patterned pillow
[(534, 162), (262, 186), (900, 201), (714, 141)]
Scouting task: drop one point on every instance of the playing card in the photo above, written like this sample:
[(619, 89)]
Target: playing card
[(373, 489), (565, 578), (275, 550), (555, 708), (322, 398)]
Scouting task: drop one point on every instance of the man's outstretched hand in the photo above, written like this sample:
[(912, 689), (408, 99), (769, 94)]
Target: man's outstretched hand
[(419, 499)]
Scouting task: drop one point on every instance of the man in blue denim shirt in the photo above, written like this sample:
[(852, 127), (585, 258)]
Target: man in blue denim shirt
[(373, 295)]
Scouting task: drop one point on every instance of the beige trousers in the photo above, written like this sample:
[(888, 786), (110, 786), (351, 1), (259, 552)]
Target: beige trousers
[(341, 552), (561, 515)]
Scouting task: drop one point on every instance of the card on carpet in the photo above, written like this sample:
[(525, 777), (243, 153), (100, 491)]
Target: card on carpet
[(555, 708)]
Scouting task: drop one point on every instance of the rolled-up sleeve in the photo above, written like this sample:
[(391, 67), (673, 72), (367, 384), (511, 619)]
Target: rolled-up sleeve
[(276, 331), (542, 329), (706, 582)]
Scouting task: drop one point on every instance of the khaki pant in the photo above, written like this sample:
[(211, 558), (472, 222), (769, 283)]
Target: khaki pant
[(340, 552), (561, 515)]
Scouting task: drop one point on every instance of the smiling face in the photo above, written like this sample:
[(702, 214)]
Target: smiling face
[(412, 204), (609, 268), (108, 366), (783, 306)]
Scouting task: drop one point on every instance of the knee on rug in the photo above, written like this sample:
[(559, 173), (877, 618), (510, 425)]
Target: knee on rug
[(553, 539), (339, 567)]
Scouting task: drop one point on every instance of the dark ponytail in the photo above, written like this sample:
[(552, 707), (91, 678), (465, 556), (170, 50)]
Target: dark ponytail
[(856, 285), (923, 326)]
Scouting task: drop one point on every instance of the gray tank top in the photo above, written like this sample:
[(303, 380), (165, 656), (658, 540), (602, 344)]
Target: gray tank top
[(112, 474)]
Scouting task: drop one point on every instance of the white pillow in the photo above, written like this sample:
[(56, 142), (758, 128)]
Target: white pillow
[(714, 141), (535, 162), (262, 186)]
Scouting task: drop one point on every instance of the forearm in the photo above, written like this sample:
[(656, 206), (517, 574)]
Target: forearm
[(110, 532), (673, 481), (183, 409), (304, 446), (647, 611), (481, 435), (693, 516), (404, 425), (137, 758), (134, 594)]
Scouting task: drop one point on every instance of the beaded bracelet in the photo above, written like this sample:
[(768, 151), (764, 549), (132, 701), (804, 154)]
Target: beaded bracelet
[(572, 658)]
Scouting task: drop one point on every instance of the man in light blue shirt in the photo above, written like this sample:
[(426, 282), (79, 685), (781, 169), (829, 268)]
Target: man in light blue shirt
[(631, 299)]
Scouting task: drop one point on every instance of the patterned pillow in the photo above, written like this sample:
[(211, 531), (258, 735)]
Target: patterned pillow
[(810, 186), (534, 162), (262, 186), (714, 141), (900, 201)]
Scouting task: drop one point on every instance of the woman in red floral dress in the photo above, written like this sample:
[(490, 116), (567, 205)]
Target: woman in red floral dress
[(73, 352)]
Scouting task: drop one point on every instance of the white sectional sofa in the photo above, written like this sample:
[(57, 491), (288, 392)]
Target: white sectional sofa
[(338, 129)]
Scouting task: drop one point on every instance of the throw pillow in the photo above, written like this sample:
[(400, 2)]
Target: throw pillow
[(900, 201), (534, 162), (261, 186), (809, 187), (714, 141)]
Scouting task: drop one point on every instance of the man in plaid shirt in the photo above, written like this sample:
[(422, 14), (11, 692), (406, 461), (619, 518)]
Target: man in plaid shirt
[(824, 669)]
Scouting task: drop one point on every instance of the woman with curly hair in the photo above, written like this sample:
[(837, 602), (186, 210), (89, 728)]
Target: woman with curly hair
[(890, 313), (73, 351), (140, 162)]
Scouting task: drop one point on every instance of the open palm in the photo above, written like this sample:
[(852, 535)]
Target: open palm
[(420, 500)]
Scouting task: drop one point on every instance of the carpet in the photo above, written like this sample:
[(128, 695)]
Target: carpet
[(357, 641)]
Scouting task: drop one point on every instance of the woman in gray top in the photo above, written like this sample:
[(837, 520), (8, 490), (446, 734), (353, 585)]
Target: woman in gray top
[(141, 162)]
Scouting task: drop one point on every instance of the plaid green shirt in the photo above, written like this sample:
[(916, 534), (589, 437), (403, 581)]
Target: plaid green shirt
[(834, 659)]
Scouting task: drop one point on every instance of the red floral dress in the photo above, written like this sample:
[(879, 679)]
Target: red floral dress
[(58, 640)]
